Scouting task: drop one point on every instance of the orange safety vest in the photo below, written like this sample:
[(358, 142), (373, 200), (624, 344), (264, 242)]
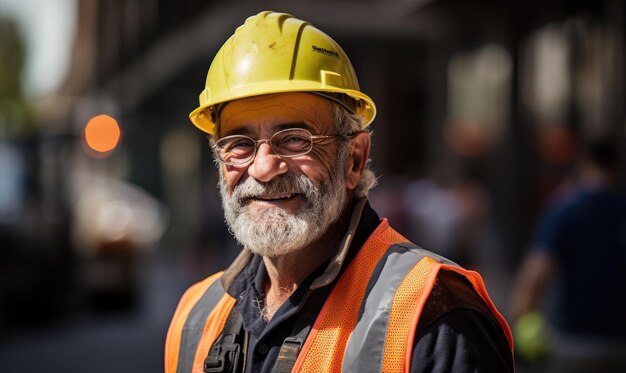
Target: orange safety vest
[(353, 331)]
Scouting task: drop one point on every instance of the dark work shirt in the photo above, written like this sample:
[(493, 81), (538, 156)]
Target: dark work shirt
[(456, 331)]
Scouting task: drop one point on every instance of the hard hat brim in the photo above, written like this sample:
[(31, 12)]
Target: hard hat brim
[(206, 123)]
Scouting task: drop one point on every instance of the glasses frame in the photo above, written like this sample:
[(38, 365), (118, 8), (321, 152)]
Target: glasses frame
[(257, 143)]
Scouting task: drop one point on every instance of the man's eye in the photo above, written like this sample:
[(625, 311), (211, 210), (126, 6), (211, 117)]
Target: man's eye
[(293, 140), (240, 145)]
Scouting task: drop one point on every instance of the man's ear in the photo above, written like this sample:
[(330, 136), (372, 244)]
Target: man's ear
[(359, 154)]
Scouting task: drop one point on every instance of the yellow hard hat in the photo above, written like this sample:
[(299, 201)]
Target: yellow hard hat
[(273, 53)]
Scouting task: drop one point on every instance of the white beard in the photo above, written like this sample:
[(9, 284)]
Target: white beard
[(273, 231)]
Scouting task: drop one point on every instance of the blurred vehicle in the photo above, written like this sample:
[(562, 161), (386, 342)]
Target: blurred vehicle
[(114, 223)]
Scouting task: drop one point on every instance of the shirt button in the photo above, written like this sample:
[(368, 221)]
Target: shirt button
[(262, 349)]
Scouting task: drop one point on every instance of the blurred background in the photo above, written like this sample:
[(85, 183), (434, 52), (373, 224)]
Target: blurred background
[(108, 202)]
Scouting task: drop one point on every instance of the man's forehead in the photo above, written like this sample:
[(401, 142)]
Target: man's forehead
[(276, 110)]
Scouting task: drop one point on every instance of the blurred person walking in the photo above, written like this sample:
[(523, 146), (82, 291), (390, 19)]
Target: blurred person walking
[(580, 246), (322, 284)]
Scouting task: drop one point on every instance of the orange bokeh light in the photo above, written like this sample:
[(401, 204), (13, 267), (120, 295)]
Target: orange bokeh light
[(102, 133)]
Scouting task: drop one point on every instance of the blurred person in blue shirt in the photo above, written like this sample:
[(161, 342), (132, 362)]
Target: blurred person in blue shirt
[(580, 247)]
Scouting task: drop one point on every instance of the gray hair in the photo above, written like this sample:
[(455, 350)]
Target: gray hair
[(347, 123)]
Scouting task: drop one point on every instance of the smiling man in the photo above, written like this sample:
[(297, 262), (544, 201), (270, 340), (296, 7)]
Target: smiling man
[(322, 283)]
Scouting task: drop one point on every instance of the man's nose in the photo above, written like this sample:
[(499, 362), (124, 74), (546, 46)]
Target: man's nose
[(266, 165)]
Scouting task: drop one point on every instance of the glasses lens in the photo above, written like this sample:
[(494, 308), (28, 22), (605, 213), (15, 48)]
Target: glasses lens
[(235, 149), (292, 142)]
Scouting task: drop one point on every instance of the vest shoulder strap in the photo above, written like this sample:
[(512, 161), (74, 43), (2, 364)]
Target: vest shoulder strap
[(369, 320), (291, 347), (228, 353), (197, 322), (290, 350), (175, 330)]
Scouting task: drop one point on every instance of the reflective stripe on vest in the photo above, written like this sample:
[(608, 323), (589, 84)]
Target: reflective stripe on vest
[(371, 339), (367, 323)]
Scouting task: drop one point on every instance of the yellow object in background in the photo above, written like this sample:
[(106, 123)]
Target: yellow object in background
[(532, 337)]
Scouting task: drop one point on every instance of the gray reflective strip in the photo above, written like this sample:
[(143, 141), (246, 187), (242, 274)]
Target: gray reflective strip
[(194, 325), (434, 256), (364, 352)]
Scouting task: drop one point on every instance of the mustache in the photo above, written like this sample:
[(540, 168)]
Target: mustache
[(288, 183)]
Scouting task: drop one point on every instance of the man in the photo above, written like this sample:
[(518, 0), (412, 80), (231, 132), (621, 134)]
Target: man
[(322, 284), (580, 245)]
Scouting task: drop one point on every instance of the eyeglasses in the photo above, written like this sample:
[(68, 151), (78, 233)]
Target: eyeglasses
[(293, 142)]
